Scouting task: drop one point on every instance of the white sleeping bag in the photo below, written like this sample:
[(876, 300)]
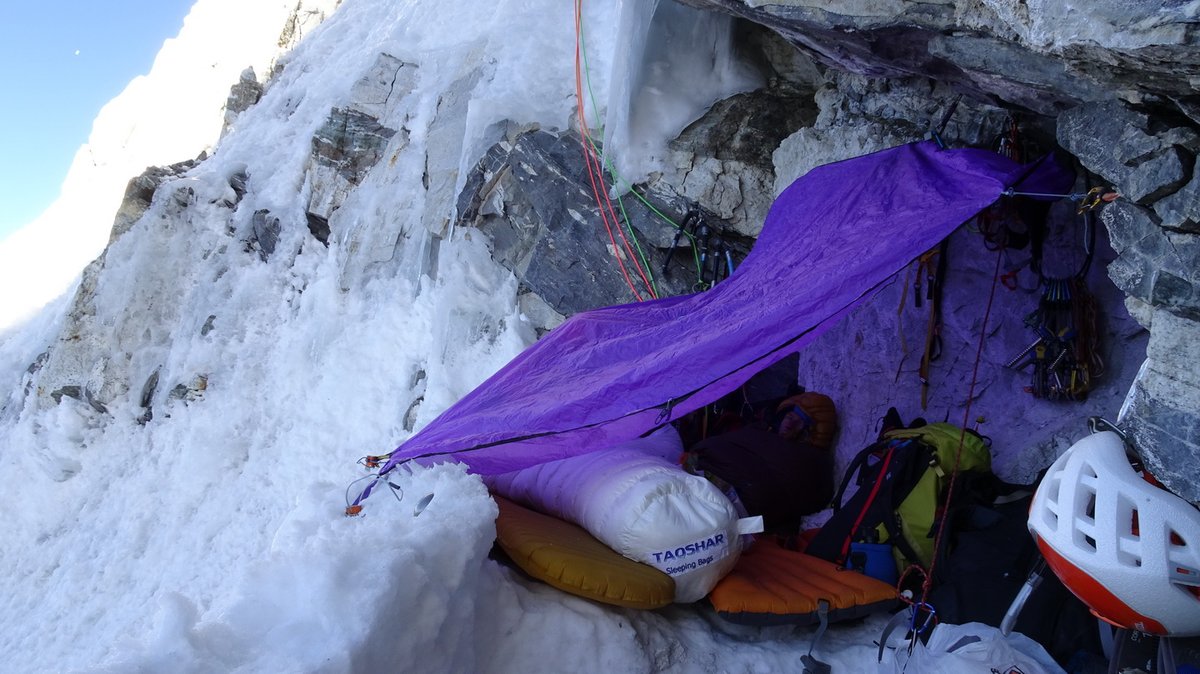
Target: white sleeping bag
[(638, 500)]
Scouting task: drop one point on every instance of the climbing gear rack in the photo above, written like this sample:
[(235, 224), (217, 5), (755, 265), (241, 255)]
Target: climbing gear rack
[(1065, 356)]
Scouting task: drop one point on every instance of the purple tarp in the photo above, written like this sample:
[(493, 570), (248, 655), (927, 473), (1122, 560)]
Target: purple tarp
[(612, 374)]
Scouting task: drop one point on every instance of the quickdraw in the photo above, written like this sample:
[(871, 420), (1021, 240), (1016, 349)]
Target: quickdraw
[(1009, 279), (933, 264), (373, 462), (1095, 198), (714, 261), (1065, 355)]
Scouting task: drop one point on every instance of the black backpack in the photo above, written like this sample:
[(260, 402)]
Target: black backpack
[(887, 471), (901, 479)]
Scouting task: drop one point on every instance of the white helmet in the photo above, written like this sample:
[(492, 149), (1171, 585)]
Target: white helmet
[(1129, 549)]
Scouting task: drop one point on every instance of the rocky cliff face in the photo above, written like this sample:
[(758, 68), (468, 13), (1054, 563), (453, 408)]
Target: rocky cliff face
[(1042, 56), (1117, 84), (1113, 86)]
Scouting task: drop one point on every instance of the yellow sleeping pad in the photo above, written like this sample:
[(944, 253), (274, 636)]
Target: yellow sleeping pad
[(567, 557), (774, 586)]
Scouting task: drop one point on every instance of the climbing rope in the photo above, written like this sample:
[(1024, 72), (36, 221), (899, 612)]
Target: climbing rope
[(927, 583), (621, 186), (596, 175), (644, 264)]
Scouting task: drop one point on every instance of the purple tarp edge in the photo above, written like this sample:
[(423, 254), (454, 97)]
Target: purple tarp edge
[(612, 374)]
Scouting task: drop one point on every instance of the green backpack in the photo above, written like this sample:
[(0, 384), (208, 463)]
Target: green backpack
[(901, 483), (917, 513)]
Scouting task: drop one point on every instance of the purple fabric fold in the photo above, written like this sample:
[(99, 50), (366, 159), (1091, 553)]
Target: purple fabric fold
[(612, 374)]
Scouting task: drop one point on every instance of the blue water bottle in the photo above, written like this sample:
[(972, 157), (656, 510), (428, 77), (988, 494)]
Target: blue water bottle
[(874, 560)]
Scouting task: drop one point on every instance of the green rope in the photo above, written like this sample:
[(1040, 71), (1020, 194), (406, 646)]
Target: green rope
[(621, 183), (668, 220), (587, 74)]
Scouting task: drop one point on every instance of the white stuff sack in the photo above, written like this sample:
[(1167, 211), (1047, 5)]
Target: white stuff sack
[(973, 648), (638, 500)]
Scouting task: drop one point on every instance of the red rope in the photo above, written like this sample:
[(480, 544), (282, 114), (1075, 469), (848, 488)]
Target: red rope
[(962, 436), (887, 460), (624, 240), (589, 153), (596, 175)]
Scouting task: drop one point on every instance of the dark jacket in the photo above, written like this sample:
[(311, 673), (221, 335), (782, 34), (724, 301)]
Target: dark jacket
[(781, 480)]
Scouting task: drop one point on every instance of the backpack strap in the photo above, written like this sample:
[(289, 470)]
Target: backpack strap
[(915, 467), (872, 503), (880, 482), (896, 538), (832, 542), (855, 467)]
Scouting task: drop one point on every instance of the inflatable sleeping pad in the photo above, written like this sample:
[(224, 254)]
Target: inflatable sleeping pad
[(636, 499), (565, 556), (773, 586)]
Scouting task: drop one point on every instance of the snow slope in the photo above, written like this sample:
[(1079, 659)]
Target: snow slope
[(211, 538)]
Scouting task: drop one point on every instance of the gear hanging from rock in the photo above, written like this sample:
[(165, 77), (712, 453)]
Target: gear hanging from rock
[(1065, 355), (1013, 220), (933, 266), (714, 261)]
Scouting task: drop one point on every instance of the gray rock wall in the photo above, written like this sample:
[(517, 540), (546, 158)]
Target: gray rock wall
[(1154, 228), (1162, 415), (242, 96), (1043, 56), (719, 159), (531, 195)]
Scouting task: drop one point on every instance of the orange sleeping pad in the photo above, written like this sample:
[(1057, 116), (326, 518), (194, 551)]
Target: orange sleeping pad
[(567, 557), (774, 586)]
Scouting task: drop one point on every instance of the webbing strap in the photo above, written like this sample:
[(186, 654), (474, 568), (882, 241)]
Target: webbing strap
[(1106, 638), (887, 460), (1166, 656), (897, 620), (811, 664), (933, 341), (855, 466)]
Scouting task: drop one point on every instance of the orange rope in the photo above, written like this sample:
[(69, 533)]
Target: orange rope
[(621, 233), (596, 175), (589, 149), (937, 540)]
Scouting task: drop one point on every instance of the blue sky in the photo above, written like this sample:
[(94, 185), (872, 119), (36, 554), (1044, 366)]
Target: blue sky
[(60, 62)]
